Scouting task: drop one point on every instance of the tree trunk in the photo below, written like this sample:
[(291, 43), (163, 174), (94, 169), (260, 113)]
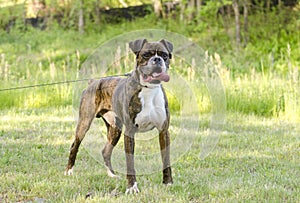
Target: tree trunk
[(225, 16), (182, 9), (158, 9), (246, 36), (81, 18), (191, 9), (199, 4), (235, 6), (268, 5), (279, 3), (97, 11)]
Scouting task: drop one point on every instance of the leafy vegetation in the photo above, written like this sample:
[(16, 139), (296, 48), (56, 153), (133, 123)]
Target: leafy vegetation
[(56, 55)]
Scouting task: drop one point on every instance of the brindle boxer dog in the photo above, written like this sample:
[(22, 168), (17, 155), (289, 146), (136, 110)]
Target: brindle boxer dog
[(139, 102)]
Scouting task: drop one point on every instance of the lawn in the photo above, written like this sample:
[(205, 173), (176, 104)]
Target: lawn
[(256, 159)]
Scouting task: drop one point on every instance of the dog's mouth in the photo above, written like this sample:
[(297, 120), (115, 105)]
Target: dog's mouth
[(156, 77)]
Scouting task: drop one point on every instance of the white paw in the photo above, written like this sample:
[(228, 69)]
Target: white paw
[(111, 174), (69, 172), (133, 190)]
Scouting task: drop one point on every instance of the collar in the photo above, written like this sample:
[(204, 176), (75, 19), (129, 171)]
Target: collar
[(146, 86)]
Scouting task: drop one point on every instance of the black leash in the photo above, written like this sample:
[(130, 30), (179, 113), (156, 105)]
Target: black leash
[(57, 83)]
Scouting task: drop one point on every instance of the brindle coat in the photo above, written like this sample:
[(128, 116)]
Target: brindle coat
[(117, 101)]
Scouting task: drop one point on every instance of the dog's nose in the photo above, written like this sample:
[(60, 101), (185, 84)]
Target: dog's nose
[(157, 59)]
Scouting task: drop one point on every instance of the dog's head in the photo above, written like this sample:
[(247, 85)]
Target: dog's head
[(153, 59)]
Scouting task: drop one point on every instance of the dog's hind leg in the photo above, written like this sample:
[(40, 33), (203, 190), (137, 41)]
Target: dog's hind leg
[(86, 115), (113, 136)]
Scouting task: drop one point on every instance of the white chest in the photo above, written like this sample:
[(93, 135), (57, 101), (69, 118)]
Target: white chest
[(153, 113)]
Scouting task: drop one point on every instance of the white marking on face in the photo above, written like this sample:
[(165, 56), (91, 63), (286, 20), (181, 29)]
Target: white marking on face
[(153, 113), (163, 67)]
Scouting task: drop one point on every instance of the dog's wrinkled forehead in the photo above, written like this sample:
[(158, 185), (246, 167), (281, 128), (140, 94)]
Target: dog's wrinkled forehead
[(142, 45), (154, 46)]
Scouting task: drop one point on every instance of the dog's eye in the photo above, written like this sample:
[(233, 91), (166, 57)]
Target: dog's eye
[(146, 55), (164, 56)]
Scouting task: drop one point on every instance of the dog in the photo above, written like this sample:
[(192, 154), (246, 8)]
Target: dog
[(137, 102)]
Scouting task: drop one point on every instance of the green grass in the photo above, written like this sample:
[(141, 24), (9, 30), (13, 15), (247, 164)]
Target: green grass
[(256, 160), (269, 96)]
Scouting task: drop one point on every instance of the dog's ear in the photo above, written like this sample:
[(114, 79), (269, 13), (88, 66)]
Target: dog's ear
[(137, 45), (168, 45)]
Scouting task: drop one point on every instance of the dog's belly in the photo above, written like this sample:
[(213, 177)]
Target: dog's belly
[(153, 113)]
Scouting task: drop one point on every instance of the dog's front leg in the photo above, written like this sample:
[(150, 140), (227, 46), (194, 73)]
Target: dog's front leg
[(129, 151), (164, 141)]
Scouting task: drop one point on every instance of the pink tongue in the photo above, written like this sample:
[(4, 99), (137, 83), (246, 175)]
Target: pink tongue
[(161, 77)]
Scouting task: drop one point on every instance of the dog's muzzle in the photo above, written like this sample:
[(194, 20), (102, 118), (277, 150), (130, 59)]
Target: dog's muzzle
[(155, 71)]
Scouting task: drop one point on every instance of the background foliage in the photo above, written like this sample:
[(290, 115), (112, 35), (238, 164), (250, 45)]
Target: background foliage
[(261, 72)]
